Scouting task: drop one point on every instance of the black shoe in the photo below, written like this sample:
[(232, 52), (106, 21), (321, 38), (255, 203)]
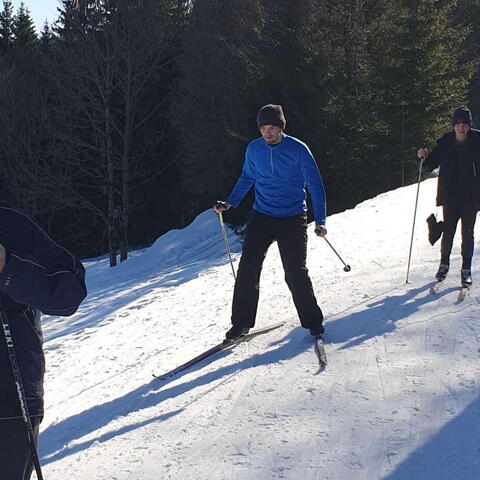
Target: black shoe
[(442, 272), (466, 276), (236, 332), (317, 331)]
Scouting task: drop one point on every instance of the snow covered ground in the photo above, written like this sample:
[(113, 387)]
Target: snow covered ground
[(400, 398)]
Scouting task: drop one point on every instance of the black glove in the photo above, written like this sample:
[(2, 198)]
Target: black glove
[(320, 230)]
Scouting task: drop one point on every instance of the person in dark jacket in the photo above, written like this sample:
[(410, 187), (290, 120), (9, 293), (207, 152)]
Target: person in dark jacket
[(457, 153), (279, 167), (36, 275)]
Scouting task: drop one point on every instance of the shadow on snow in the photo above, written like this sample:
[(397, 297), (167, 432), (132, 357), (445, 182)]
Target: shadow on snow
[(55, 437), (451, 453), (104, 299), (379, 317)]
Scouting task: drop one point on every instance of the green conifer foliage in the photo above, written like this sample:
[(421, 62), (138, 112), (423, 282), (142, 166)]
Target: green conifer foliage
[(151, 103), (214, 109), (468, 19), (23, 28), (418, 80), (6, 27)]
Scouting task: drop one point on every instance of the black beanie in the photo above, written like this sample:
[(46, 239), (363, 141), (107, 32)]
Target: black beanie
[(271, 115), (463, 114)]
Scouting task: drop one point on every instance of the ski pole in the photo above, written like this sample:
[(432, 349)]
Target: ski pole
[(414, 218), (227, 246), (346, 268), (22, 399)]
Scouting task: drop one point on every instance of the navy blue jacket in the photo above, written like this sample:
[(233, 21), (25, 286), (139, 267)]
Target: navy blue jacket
[(443, 156), (280, 174), (39, 276)]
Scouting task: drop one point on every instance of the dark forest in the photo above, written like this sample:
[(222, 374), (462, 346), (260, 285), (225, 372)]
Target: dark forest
[(126, 118)]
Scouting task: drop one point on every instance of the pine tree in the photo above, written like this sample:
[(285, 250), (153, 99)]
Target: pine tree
[(318, 63), (419, 78), (468, 19), (46, 35), (79, 17), (6, 27), (23, 28), (216, 105), (342, 84)]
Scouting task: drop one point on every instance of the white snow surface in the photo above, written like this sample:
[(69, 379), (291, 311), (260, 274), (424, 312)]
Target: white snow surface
[(400, 398)]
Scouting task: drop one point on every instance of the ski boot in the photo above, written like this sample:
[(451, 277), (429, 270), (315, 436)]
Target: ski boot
[(236, 332), (466, 278), (442, 272), (439, 277)]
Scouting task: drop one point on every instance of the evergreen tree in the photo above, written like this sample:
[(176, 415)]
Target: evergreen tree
[(6, 27), (468, 19), (46, 35), (318, 63), (350, 120), (138, 109), (292, 60), (80, 17), (23, 28), (215, 106), (418, 79)]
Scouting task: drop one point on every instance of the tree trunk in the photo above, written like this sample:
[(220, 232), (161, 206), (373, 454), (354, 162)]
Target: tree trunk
[(126, 166), (112, 237), (112, 228)]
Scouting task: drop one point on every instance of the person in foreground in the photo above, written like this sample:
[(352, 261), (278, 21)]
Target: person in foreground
[(279, 167), (36, 275), (457, 153)]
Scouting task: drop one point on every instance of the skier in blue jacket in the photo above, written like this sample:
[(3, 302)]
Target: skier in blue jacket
[(279, 167)]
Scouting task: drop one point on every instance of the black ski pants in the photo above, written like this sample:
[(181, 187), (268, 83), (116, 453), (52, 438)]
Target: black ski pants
[(451, 215), (291, 236), (16, 461)]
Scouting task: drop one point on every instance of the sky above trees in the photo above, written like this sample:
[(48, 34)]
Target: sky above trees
[(40, 10)]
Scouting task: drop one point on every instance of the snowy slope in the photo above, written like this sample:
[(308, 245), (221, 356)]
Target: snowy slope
[(400, 398)]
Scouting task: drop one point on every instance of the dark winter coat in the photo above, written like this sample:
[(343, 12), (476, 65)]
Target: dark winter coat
[(443, 156), (40, 276)]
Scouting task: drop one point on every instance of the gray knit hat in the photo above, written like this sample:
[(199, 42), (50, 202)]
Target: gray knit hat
[(271, 115), (462, 114)]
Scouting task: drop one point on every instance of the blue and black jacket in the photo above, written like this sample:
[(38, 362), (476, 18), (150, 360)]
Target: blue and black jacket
[(280, 174), (39, 276)]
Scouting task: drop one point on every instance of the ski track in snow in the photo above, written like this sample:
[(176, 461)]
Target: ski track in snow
[(399, 399)]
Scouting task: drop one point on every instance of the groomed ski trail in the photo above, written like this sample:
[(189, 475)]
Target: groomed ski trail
[(399, 398)]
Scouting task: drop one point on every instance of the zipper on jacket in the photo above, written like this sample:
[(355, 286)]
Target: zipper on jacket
[(271, 158)]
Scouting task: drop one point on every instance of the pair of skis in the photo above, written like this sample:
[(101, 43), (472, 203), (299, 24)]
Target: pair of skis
[(462, 294), (230, 344)]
